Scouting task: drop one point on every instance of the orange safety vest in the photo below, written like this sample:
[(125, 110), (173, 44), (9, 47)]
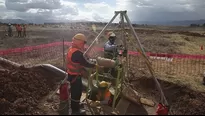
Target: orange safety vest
[(73, 68), (102, 97)]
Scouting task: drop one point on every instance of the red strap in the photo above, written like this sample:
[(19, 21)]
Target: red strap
[(161, 110), (73, 80), (110, 101)]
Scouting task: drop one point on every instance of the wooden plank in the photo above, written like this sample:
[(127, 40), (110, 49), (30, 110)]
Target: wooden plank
[(131, 95), (122, 106), (58, 92), (147, 102)]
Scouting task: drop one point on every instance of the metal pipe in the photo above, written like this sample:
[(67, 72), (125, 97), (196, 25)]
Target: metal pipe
[(100, 33), (8, 62)]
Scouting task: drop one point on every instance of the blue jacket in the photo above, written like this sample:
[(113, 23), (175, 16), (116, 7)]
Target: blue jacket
[(110, 47), (110, 50)]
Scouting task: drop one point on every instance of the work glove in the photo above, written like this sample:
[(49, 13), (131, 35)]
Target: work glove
[(95, 103), (119, 46), (93, 61), (97, 66), (124, 53)]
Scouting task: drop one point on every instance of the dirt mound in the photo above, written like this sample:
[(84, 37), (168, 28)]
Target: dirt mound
[(182, 100), (187, 33), (160, 45), (21, 89)]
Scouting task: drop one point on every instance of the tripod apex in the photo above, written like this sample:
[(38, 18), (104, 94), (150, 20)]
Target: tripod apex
[(122, 11)]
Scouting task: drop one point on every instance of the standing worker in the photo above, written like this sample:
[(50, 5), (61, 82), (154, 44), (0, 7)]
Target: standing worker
[(110, 48), (24, 30), (16, 26), (19, 29), (111, 52), (9, 30), (75, 69)]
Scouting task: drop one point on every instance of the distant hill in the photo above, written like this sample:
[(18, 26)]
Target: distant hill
[(172, 23), (12, 21)]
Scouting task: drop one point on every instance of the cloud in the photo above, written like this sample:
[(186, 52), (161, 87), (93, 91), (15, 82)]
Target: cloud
[(162, 10), (25, 5), (38, 11), (102, 10)]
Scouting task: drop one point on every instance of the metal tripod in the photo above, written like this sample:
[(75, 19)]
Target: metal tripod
[(123, 15)]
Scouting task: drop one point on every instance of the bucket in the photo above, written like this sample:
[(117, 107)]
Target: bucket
[(107, 63)]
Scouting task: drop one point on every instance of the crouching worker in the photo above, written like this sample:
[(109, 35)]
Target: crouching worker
[(100, 94), (75, 65)]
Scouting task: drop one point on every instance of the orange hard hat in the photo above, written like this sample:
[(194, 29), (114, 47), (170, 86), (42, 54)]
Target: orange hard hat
[(80, 37), (79, 41), (111, 34)]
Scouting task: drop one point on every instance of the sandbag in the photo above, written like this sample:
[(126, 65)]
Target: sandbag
[(107, 63)]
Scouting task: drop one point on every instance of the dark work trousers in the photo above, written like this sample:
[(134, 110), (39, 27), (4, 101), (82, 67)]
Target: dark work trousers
[(76, 92), (19, 33), (24, 33), (10, 33)]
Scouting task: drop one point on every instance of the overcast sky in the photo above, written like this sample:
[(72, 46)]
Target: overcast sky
[(102, 10)]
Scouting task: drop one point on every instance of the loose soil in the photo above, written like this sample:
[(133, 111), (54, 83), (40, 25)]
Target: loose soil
[(182, 100), (21, 90)]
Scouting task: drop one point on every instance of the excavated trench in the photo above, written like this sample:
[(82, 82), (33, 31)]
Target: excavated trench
[(182, 100), (22, 90)]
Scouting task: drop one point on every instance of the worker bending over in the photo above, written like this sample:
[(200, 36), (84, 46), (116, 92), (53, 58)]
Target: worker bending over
[(100, 94), (75, 69)]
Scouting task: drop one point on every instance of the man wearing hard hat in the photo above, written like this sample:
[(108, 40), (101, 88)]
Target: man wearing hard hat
[(100, 95), (75, 69), (9, 30), (110, 48), (111, 51)]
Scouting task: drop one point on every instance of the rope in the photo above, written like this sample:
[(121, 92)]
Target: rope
[(86, 99), (51, 106), (116, 88)]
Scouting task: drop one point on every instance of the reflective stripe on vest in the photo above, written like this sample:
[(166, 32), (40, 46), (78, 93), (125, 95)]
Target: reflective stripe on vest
[(73, 68)]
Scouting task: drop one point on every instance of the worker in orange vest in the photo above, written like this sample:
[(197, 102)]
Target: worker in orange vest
[(100, 94), (75, 69), (19, 29)]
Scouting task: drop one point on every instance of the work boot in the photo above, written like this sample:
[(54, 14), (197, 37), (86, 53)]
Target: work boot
[(80, 112)]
